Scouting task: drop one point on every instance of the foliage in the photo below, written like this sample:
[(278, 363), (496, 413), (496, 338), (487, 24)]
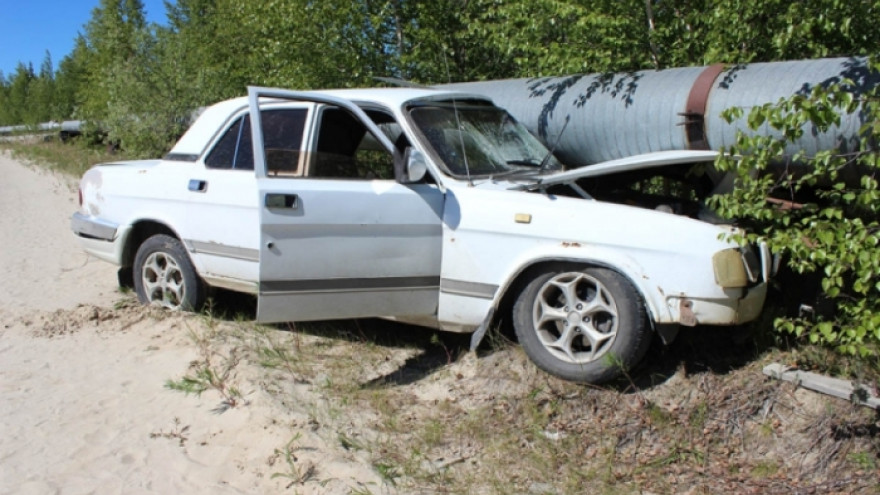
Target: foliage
[(700, 32), (822, 216)]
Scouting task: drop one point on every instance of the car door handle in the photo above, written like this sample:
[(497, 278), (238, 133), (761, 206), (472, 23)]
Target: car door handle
[(196, 185), (282, 200)]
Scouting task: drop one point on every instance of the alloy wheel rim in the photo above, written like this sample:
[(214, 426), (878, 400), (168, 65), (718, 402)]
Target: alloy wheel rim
[(575, 317), (163, 281)]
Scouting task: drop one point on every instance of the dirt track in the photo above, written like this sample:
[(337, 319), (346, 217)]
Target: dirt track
[(84, 406)]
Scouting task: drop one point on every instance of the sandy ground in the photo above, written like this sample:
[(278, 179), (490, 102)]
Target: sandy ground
[(84, 408)]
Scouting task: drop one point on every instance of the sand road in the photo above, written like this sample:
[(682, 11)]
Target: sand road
[(84, 408)]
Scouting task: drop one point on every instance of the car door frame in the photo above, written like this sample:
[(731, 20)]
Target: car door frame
[(400, 293)]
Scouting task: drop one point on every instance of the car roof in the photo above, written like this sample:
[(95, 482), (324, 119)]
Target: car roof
[(212, 118)]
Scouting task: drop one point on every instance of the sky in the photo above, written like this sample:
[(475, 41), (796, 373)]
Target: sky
[(30, 27)]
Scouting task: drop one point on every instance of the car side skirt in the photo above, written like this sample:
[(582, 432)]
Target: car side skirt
[(352, 298)]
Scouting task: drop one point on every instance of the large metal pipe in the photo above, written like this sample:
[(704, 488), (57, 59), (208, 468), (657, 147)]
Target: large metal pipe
[(618, 115)]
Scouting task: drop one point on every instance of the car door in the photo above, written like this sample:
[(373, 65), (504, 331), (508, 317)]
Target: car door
[(223, 217), (340, 243)]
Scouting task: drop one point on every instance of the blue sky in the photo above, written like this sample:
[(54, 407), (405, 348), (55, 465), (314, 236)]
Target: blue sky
[(30, 27)]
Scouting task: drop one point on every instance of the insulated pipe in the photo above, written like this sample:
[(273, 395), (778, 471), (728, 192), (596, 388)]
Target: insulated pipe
[(618, 115)]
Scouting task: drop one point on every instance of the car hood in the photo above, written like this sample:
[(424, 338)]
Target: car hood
[(628, 164)]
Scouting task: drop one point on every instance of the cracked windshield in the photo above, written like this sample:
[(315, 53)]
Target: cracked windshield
[(481, 141)]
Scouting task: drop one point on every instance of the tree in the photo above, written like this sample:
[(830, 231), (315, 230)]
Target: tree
[(115, 38), (5, 104), (70, 80), (20, 89), (41, 100)]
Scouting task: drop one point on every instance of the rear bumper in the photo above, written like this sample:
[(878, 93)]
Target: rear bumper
[(98, 237), (93, 228)]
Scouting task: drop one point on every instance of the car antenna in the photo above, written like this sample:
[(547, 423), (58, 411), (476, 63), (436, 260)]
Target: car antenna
[(467, 169), (552, 149)]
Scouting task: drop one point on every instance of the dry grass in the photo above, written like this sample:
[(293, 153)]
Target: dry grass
[(73, 157), (432, 418)]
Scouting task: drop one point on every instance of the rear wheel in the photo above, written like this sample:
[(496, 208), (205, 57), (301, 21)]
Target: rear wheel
[(585, 326), (165, 276)]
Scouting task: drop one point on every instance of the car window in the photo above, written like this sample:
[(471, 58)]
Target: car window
[(346, 150), (282, 134), (234, 150)]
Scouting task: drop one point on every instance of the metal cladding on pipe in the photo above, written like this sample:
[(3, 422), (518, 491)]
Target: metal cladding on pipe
[(618, 115)]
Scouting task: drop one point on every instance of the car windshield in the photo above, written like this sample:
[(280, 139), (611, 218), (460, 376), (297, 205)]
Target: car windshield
[(479, 140)]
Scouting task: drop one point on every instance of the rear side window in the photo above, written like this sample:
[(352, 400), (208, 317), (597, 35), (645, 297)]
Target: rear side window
[(282, 134), (234, 150)]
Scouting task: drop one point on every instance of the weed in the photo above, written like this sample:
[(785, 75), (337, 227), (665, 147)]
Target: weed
[(657, 415), (698, 416), (178, 433), (205, 378), (349, 443), (387, 472), (433, 433), (361, 490), (765, 469), (297, 473), (274, 354), (864, 460), (208, 373), (680, 455)]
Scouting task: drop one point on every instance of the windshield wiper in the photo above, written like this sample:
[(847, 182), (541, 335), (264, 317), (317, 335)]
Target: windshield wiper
[(547, 158), (512, 174)]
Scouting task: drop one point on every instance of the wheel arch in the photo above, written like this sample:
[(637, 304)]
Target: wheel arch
[(520, 278), (140, 231)]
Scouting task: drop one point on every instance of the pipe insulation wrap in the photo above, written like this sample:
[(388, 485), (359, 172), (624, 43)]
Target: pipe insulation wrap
[(618, 115)]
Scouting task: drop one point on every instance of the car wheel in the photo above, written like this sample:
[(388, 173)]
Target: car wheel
[(585, 326), (165, 276)]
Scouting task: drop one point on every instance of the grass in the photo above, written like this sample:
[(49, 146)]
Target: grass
[(297, 471), (213, 370), (72, 158)]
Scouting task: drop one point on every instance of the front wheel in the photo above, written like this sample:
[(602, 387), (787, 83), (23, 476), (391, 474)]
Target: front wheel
[(585, 326), (165, 276)]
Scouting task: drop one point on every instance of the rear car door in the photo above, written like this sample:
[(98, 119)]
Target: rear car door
[(223, 218)]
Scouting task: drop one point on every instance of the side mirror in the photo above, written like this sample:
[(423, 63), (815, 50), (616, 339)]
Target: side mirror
[(414, 167)]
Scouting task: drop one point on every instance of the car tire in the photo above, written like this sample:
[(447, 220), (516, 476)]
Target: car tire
[(584, 325), (165, 276)]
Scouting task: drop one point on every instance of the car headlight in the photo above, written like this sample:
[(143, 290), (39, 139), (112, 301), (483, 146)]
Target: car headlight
[(736, 267)]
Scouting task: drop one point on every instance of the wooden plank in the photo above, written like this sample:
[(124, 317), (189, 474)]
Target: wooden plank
[(844, 389)]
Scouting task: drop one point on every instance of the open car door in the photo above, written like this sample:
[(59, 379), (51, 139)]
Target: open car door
[(345, 245)]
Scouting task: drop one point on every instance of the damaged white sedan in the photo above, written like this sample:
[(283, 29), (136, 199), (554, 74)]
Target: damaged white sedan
[(429, 207)]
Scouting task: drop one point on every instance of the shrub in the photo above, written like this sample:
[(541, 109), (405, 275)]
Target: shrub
[(820, 213)]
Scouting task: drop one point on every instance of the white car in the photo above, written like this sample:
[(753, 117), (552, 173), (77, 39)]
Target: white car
[(429, 207)]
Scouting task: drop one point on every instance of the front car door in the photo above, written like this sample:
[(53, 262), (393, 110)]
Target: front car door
[(346, 240)]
